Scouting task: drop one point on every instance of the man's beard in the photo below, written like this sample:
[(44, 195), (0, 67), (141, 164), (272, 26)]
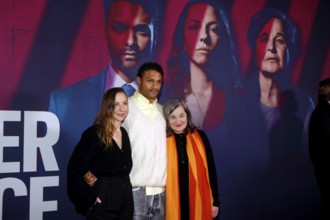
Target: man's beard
[(127, 65), (130, 69)]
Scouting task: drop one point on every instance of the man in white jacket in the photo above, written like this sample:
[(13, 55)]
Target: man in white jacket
[(146, 126)]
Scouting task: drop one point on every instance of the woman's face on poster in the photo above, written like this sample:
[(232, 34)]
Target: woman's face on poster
[(201, 33), (271, 47)]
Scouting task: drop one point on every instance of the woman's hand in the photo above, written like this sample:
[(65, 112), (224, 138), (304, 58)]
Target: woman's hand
[(98, 200), (90, 178), (215, 211)]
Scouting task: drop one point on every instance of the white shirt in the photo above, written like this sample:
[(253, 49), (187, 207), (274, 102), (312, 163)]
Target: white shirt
[(146, 128)]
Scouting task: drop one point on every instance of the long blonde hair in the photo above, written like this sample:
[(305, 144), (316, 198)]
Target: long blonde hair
[(104, 118)]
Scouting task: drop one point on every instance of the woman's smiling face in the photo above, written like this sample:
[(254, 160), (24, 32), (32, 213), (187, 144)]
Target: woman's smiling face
[(178, 120)]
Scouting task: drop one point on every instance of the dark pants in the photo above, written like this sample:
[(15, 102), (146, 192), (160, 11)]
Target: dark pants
[(117, 199), (324, 186)]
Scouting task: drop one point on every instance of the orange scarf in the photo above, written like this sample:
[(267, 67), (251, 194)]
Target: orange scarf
[(200, 196)]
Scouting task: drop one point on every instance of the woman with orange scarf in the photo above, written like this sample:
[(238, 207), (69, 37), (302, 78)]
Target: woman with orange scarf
[(191, 187)]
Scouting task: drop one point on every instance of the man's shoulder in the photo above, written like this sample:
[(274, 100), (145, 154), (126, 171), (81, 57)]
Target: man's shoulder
[(82, 86), (131, 100), (84, 94), (160, 106)]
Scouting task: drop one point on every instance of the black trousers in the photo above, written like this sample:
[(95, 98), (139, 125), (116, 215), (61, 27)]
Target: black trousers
[(117, 199)]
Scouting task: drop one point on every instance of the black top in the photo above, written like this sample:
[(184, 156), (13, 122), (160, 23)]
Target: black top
[(181, 143), (319, 148), (319, 134), (90, 155)]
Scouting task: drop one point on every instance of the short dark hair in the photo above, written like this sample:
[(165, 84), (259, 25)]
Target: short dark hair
[(150, 66), (151, 6), (324, 91)]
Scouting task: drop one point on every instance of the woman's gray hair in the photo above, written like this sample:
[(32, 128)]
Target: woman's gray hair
[(169, 107)]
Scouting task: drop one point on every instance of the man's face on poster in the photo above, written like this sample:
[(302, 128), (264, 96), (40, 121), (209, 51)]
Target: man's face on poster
[(128, 34), (271, 47)]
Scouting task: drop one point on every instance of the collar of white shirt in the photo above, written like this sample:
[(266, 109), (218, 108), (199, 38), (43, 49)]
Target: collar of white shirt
[(147, 108), (114, 80)]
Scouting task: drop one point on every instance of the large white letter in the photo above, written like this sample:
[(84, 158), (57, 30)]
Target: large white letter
[(8, 141), (11, 183), (37, 204), (45, 144)]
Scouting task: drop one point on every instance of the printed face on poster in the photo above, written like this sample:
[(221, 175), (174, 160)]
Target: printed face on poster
[(247, 71)]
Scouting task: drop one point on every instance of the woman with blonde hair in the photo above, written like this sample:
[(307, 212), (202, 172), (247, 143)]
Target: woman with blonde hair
[(104, 150)]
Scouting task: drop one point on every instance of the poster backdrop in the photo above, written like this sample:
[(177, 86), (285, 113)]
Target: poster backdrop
[(212, 57)]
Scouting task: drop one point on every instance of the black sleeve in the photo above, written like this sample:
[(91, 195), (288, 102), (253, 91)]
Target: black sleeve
[(80, 193), (212, 170), (127, 145), (319, 136)]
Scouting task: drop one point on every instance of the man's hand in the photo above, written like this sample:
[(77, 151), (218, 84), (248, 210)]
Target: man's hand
[(90, 178)]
